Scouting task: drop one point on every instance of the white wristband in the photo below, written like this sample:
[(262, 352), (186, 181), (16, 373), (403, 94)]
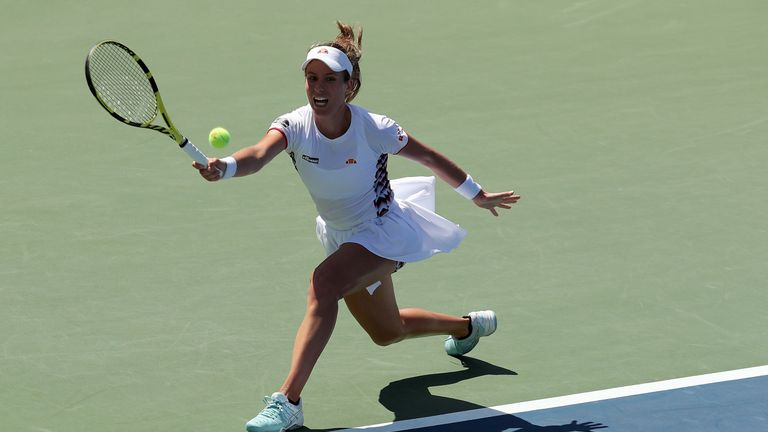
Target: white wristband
[(469, 189), (231, 167)]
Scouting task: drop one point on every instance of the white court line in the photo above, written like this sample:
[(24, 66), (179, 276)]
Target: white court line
[(561, 401)]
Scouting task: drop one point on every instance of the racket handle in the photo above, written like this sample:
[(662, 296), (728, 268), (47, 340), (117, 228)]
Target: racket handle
[(194, 152)]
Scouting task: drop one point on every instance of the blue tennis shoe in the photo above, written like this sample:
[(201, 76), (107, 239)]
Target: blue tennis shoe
[(280, 415), (483, 324)]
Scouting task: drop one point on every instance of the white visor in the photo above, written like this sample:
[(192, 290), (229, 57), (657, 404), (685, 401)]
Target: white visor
[(333, 57)]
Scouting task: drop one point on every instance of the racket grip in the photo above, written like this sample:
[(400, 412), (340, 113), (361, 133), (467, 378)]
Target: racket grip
[(194, 152)]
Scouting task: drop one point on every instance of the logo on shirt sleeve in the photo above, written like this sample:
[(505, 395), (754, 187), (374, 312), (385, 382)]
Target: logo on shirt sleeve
[(400, 134), (282, 122), (350, 161)]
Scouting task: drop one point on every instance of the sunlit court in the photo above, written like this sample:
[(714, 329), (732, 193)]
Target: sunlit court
[(588, 174)]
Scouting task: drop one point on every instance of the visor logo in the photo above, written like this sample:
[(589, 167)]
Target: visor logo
[(322, 51)]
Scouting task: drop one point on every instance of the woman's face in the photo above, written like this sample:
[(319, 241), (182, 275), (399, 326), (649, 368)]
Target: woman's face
[(326, 89)]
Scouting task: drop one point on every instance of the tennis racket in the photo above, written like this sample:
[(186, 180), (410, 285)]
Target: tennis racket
[(125, 87)]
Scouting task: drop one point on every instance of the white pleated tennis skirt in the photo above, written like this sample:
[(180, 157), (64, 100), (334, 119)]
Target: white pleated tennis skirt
[(410, 231)]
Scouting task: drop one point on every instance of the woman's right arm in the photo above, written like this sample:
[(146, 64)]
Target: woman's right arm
[(249, 160)]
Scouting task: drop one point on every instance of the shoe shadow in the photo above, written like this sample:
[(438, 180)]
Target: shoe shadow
[(410, 398)]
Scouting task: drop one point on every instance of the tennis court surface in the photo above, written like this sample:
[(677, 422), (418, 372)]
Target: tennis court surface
[(136, 297)]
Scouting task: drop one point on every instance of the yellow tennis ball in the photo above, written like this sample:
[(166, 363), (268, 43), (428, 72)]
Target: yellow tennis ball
[(219, 137)]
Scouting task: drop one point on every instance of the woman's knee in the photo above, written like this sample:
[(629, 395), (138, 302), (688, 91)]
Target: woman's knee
[(387, 336)]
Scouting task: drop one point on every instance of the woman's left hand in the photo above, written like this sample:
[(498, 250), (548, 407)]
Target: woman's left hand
[(491, 201)]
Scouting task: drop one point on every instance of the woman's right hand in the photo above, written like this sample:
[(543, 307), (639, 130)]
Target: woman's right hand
[(214, 171)]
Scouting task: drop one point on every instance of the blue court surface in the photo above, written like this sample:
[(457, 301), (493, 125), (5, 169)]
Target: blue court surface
[(733, 401)]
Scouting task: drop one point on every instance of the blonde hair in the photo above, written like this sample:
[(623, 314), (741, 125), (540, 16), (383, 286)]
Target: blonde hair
[(346, 42)]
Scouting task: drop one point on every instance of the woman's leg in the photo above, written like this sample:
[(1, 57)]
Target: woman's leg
[(351, 268), (379, 315)]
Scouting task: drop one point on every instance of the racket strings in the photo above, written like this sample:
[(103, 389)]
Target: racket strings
[(121, 84)]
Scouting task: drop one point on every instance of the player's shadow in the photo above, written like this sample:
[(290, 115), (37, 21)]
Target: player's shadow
[(411, 398)]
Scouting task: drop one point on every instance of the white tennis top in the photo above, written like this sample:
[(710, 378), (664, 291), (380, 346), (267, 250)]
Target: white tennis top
[(347, 176)]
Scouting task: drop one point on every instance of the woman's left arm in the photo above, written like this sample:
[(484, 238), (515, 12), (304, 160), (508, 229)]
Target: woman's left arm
[(449, 172)]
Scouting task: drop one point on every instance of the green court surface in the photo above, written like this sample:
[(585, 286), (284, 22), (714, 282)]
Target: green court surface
[(136, 297)]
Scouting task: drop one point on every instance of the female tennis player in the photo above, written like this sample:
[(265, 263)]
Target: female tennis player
[(368, 225)]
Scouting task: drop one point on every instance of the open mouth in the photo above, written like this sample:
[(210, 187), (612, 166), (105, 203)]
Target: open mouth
[(320, 102)]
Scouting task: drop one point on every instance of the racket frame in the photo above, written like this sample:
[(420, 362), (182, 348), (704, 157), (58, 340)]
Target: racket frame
[(171, 130)]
